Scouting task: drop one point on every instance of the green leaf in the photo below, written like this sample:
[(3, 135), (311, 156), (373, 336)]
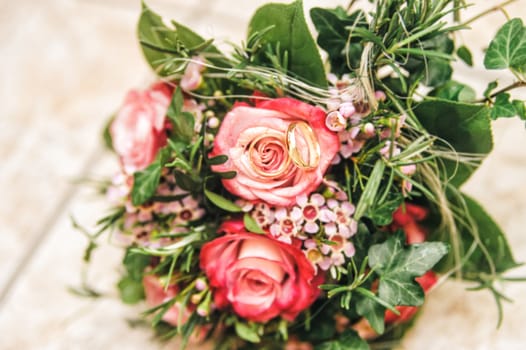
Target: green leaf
[(182, 122), (135, 264), (465, 55), (382, 213), (520, 108), (502, 108), (220, 159), (106, 135), (370, 191), (145, 183), (131, 291), (508, 48), (465, 127), (334, 36), (397, 267), (251, 224), (247, 333), (491, 86), (373, 312), (187, 182), (152, 31), (290, 31), (454, 91), (161, 43), (222, 202), (348, 340), (474, 220)]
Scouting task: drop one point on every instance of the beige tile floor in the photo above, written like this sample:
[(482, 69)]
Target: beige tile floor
[(64, 66)]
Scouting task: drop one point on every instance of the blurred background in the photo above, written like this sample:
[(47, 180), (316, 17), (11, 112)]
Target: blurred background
[(65, 66)]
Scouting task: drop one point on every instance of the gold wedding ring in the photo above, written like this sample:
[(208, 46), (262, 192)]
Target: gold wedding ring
[(313, 153)]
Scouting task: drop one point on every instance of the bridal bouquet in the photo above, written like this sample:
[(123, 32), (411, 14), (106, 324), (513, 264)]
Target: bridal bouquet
[(270, 198)]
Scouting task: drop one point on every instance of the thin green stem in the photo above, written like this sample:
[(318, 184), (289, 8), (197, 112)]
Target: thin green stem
[(515, 85)]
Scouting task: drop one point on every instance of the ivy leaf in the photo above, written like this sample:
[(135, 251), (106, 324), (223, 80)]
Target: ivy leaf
[(503, 107), (382, 213), (348, 340), (373, 312), (245, 332), (145, 183), (222, 202), (508, 48), (182, 122), (466, 128), (491, 86), (490, 237), (289, 30), (397, 267), (465, 55)]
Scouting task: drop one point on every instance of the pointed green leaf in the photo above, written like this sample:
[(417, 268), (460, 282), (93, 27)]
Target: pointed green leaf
[(222, 202), (508, 48), (182, 122), (247, 333), (145, 183), (251, 224), (161, 43), (289, 30), (465, 55)]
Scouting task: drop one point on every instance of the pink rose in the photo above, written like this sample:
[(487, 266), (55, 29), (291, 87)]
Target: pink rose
[(156, 295), (139, 129), (259, 277), (269, 167)]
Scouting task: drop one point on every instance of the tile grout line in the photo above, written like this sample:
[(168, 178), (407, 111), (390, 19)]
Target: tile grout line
[(48, 224)]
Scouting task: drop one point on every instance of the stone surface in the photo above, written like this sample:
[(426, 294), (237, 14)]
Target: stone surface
[(65, 66)]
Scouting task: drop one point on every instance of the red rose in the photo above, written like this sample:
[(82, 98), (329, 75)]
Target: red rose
[(279, 149), (259, 277), (138, 130), (407, 217)]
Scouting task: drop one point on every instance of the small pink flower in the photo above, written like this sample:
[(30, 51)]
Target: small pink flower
[(285, 227), (408, 170), (347, 109), (192, 77), (335, 121)]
